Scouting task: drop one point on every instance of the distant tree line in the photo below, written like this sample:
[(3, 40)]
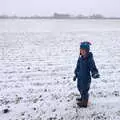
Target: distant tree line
[(59, 16), (94, 16)]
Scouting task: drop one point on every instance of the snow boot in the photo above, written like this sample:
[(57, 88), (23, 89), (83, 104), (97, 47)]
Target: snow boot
[(83, 103), (78, 99)]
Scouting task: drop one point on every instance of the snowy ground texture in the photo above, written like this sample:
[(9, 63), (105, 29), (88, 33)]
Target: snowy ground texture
[(37, 60)]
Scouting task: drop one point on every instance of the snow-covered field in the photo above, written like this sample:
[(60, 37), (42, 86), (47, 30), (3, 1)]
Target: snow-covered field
[(37, 61)]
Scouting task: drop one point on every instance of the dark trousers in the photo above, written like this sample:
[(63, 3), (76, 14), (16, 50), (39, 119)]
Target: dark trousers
[(83, 89)]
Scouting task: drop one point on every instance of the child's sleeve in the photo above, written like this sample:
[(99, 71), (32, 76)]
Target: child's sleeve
[(77, 69), (93, 68)]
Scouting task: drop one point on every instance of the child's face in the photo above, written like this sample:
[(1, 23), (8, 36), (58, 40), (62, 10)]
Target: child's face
[(83, 52)]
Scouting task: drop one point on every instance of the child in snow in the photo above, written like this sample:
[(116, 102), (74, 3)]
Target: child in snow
[(84, 69)]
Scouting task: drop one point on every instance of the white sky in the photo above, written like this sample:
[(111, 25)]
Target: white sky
[(48, 7)]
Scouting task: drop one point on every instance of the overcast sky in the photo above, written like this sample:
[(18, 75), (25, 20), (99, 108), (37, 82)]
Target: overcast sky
[(48, 7)]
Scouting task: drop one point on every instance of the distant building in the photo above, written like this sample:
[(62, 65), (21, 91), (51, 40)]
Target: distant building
[(61, 16), (81, 17), (7, 17), (3, 16), (96, 16)]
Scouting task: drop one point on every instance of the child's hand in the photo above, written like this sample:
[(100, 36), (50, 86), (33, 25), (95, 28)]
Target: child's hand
[(74, 78), (96, 75)]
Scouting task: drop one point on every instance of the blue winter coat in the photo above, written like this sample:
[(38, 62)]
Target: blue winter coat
[(84, 69)]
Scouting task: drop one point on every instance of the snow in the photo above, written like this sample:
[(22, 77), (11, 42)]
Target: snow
[(37, 61)]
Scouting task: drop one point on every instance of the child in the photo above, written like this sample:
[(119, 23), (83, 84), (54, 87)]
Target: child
[(85, 67)]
